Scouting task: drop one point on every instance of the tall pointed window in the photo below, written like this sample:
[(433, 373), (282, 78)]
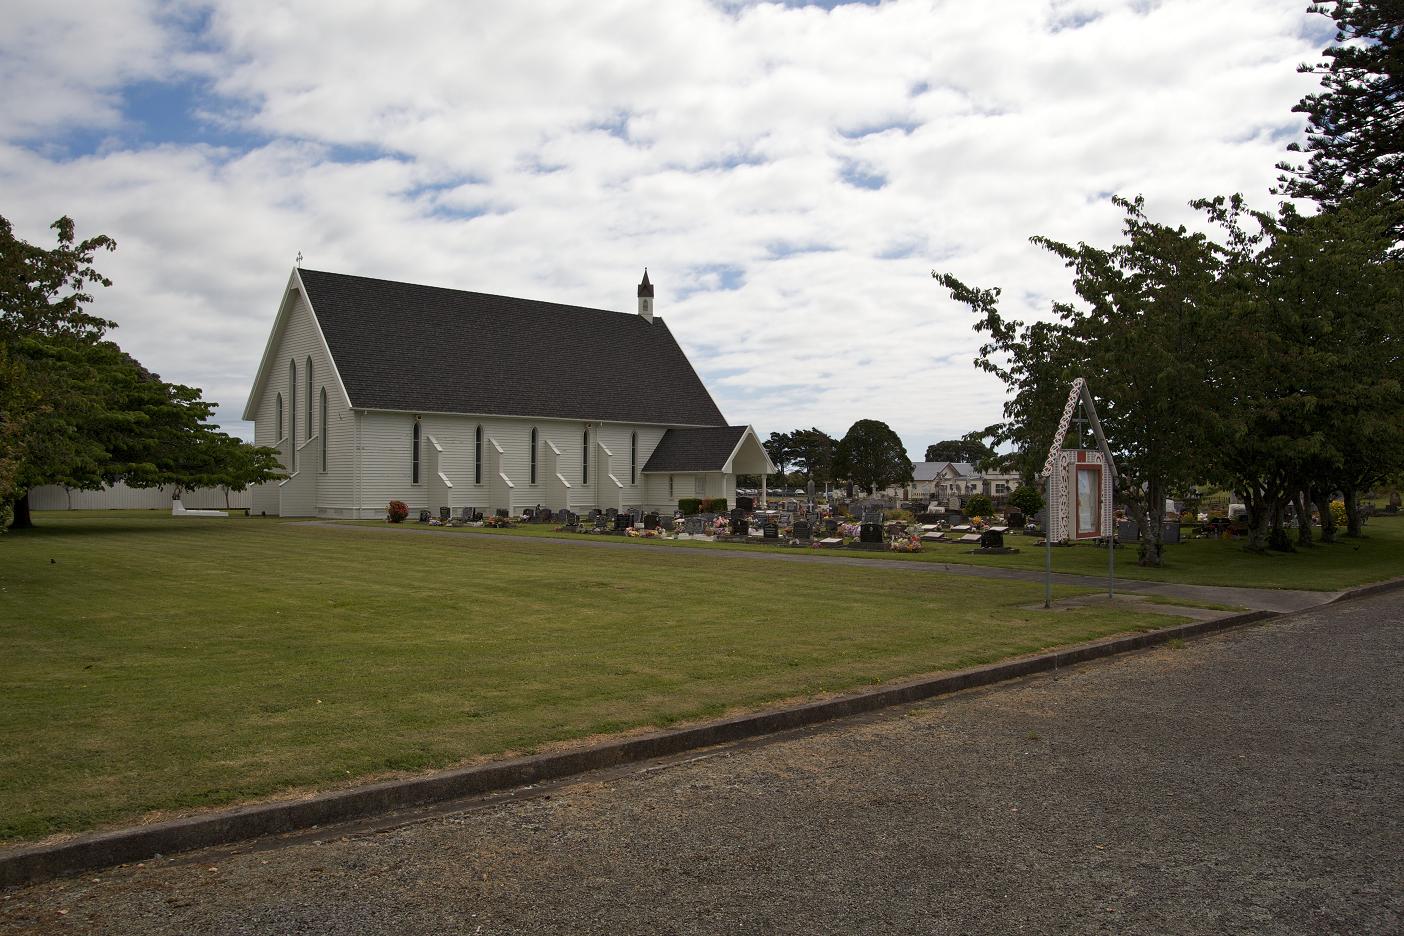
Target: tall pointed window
[(585, 458), (279, 436), (310, 424), (414, 454), (478, 455), (322, 428), (292, 412), (634, 458), (533, 455)]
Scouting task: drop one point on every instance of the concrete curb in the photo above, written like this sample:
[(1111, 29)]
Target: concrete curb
[(34, 863)]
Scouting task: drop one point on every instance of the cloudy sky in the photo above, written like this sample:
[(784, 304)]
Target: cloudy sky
[(789, 173)]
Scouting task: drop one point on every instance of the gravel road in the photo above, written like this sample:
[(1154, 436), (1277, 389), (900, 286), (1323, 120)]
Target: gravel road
[(1249, 782)]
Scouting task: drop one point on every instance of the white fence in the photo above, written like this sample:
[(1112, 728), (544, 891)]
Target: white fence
[(121, 497)]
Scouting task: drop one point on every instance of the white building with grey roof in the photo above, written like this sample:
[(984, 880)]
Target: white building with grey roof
[(374, 390)]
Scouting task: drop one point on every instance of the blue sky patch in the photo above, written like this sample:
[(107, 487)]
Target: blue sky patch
[(860, 176)]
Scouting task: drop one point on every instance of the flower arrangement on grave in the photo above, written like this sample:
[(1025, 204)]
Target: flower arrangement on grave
[(499, 522), (905, 544), (977, 523), (850, 529), (396, 512)]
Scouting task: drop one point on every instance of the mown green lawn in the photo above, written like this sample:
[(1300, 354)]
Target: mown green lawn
[(1347, 563), (156, 665)]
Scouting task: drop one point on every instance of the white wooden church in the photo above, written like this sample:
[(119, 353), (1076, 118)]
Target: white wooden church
[(376, 391)]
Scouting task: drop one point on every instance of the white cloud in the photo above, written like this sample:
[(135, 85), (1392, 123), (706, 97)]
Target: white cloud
[(553, 149)]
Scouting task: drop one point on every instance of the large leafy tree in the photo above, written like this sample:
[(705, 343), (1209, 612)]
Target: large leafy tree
[(76, 410), (812, 454), (872, 455), (1355, 132), (780, 449), (1138, 337), (971, 450)]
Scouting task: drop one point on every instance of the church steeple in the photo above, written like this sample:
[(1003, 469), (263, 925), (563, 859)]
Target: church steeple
[(646, 298)]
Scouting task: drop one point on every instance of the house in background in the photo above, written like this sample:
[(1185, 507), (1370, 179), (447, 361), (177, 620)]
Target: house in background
[(949, 484), (374, 391)]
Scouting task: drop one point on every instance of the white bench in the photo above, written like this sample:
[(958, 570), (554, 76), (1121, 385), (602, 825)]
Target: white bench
[(178, 510)]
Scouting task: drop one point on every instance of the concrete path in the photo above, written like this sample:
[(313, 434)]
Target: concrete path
[(1248, 782), (1253, 599)]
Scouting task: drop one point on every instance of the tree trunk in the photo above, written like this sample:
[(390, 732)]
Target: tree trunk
[(1301, 502), (22, 519), (1148, 524), (1352, 508), (1277, 536), (1328, 522), (1256, 502)]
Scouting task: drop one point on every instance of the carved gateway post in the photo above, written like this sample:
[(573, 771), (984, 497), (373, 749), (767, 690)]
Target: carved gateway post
[(1080, 484)]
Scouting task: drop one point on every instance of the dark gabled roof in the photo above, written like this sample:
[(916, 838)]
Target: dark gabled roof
[(398, 346), (695, 449)]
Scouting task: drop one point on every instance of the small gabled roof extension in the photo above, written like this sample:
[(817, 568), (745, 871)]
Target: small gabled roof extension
[(716, 448), (399, 346)]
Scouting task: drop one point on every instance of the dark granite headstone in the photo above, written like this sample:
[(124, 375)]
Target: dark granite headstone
[(802, 530), (870, 532), (831, 525), (623, 522), (650, 521), (424, 516), (570, 519), (1016, 520), (739, 524), (991, 539), (611, 512), (502, 513), (694, 526), (747, 504), (771, 530), (445, 513)]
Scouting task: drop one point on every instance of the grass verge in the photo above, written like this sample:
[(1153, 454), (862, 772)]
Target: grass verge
[(158, 665)]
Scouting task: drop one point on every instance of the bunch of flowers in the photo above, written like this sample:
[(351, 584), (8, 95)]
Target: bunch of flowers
[(977, 523), (498, 522), (850, 529), (905, 544)]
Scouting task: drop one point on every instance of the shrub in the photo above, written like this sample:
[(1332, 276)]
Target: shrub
[(898, 516), (1338, 513), (714, 505), (690, 506), (978, 505), (1027, 499), (397, 511)]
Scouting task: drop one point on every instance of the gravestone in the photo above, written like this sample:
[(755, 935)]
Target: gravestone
[(445, 513), (694, 526), (502, 513), (650, 521), (739, 525), (771, 530), (623, 522), (1170, 533), (870, 532), (601, 523), (1126, 531), (593, 514), (1016, 519), (992, 539), (802, 530), (424, 516), (747, 504), (831, 525), (611, 513), (572, 520)]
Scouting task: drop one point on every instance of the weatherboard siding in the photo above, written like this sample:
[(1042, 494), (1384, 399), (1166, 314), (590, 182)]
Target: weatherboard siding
[(387, 441), (320, 491)]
